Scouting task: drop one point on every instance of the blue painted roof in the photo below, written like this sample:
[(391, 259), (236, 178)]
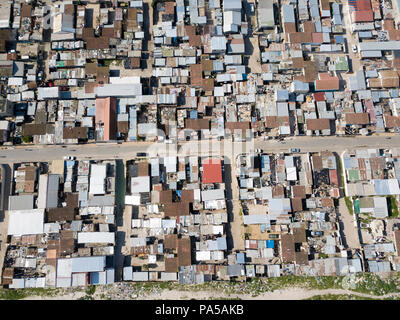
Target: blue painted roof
[(94, 277), (240, 258), (339, 39), (193, 114), (91, 111)]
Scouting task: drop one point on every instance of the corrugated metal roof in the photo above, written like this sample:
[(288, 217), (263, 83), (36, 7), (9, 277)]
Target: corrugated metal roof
[(88, 264)]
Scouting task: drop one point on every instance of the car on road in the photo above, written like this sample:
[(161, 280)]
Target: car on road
[(141, 154), (69, 158), (317, 233), (354, 48), (258, 151), (294, 150)]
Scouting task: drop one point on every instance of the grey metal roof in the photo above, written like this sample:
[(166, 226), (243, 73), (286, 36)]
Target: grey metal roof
[(107, 200), (52, 191), (140, 276), (232, 5), (218, 43), (265, 14), (255, 219), (119, 90), (274, 270), (235, 270), (288, 13), (222, 243), (371, 54), (127, 274), (379, 45), (88, 264), (21, 202)]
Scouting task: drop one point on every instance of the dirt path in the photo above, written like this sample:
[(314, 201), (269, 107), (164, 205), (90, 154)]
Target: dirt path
[(350, 232), (351, 39), (286, 294), (6, 180), (236, 225)]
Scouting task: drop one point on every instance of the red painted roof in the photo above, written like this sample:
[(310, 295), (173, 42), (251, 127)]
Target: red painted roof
[(319, 96), (317, 37), (212, 170), (370, 109), (363, 5), (333, 177), (363, 16)]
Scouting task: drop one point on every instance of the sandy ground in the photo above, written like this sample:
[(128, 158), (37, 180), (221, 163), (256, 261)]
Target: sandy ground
[(350, 231), (254, 60), (3, 233), (237, 229), (351, 39), (3, 239), (286, 294)]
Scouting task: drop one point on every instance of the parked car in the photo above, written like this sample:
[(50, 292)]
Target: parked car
[(69, 158), (141, 154), (354, 48), (317, 233), (294, 150)]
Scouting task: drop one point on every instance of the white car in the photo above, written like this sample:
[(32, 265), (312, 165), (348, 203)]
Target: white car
[(69, 158), (354, 48)]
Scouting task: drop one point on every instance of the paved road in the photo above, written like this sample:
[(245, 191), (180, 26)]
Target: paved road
[(129, 149)]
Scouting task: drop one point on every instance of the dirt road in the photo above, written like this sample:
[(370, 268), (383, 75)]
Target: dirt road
[(286, 294)]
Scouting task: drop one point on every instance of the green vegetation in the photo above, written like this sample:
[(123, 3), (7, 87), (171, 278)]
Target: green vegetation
[(11, 294), (365, 283), (107, 63), (342, 175), (154, 2), (91, 290), (373, 284), (89, 293), (349, 205), (255, 286), (338, 297), (27, 139), (394, 210), (323, 255), (366, 218)]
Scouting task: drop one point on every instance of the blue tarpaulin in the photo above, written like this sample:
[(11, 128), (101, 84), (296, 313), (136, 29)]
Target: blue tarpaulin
[(339, 39), (94, 278), (193, 114), (240, 258)]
